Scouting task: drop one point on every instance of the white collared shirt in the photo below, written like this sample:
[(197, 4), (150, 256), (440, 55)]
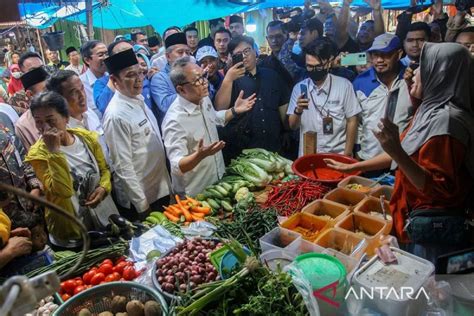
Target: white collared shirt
[(91, 122), (88, 79), (184, 125), (79, 70), (136, 150), (341, 104)]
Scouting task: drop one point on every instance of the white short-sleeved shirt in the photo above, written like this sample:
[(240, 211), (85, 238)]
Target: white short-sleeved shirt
[(185, 123), (335, 97)]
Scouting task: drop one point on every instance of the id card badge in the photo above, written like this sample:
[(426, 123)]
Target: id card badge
[(328, 126)]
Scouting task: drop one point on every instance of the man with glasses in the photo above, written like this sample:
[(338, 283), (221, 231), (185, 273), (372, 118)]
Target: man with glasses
[(189, 129), (263, 126), (375, 86), (162, 89), (324, 103), (134, 139), (93, 54), (206, 57)]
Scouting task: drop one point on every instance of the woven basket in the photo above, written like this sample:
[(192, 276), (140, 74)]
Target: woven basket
[(99, 298)]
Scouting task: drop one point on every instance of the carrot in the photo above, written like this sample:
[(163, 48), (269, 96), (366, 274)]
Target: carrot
[(203, 210), (171, 210), (171, 217), (186, 213), (193, 201), (196, 218), (178, 199), (200, 215), (176, 210)]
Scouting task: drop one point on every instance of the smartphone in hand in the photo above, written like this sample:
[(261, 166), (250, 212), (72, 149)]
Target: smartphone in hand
[(391, 105), (304, 90), (237, 58), (357, 59)]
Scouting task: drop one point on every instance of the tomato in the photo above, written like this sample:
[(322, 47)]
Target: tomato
[(79, 282), (107, 261), (110, 278), (105, 268), (97, 278), (117, 276), (119, 267), (87, 277), (69, 286), (79, 289), (119, 259), (65, 297), (129, 273)]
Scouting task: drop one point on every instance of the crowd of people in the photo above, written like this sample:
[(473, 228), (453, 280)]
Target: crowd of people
[(135, 123)]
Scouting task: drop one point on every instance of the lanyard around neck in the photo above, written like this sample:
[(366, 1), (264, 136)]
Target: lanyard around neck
[(325, 102)]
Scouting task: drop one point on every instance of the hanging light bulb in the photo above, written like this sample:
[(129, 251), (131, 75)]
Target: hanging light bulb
[(250, 26)]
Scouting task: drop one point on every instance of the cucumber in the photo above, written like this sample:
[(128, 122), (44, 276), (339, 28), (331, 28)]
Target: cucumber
[(221, 190), (226, 205), (159, 216), (237, 186), (213, 204), (226, 186), (200, 197), (153, 220), (215, 194), (205, 204)]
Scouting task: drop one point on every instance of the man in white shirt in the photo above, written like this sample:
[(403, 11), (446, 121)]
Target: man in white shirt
[(190, 129), (324, 103), (93, 54), (68, 84), (134, 139)]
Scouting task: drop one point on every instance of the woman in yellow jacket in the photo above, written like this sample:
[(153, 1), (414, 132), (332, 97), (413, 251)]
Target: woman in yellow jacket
[(71, 165), (13, 243)]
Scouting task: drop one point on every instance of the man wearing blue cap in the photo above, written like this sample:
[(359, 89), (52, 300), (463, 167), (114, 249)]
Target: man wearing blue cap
[(382, 84)]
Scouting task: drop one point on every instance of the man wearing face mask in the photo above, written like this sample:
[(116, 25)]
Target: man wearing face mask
[(324, 103)]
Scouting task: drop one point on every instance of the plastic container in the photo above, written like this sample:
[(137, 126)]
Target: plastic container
[(327, 210), (276, 259), (327, 276), (342, 241), (228, 263), (371, 207), (305, 165), (349, 198), (99, 298), (305, 246), (308, 225), (385, 190), (365, 226), (280, 238), (369, 185), (390, 284)]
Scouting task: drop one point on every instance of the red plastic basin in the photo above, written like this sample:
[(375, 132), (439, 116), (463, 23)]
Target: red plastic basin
[(304, 165)]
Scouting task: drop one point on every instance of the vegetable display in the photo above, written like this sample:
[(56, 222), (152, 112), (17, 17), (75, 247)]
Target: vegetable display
[(254, 290), (249, 223), (185, 211), (93, 257), (107, 271), (158, 218), (290, 197), (120, 306), (187, 266)]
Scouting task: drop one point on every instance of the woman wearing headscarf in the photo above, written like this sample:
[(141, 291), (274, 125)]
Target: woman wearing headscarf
[(15, 84), (435, 157)]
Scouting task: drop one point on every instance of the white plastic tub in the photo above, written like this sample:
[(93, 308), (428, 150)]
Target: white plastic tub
[(280, 238), (394, 287)]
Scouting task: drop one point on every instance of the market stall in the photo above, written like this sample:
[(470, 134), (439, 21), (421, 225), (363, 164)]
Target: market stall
[(272, 237)]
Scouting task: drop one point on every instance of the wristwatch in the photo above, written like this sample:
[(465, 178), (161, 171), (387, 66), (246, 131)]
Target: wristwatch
[(234, 113), (297, 113)]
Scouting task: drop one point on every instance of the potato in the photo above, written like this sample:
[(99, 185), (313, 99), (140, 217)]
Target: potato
[(135, 308), (152, 308), (121, 314), (106, 314), (119, 304), (84, 312)]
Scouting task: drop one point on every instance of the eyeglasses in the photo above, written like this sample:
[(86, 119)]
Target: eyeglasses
[(199, 81), (316, 67), (245, 52), (102, 54)]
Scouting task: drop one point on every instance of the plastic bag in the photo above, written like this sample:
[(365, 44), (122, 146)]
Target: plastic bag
[(305, 289), (440, 298), (157, 238), (200, 228)]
